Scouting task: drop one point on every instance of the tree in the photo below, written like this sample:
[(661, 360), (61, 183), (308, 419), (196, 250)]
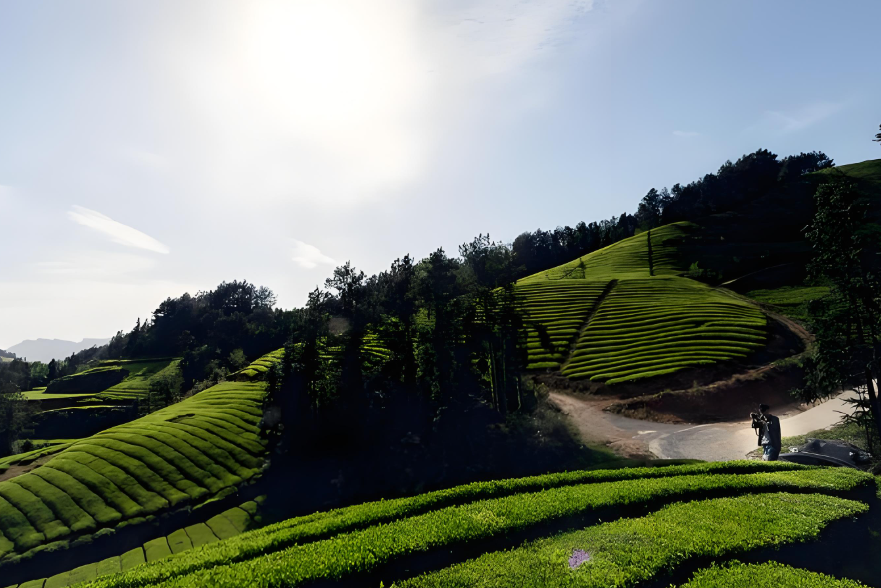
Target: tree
[(39, 374), (53, 370), (15, 416), (648, 214), (165, 390), (847, 323), (237, 359)]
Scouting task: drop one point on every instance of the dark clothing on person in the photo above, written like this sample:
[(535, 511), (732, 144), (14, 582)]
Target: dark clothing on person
[(771, 432), (770, 438)]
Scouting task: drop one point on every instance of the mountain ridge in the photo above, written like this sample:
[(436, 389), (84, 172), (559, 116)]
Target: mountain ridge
[(46, 350)]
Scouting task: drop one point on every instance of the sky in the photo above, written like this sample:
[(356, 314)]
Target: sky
[(154, 147)]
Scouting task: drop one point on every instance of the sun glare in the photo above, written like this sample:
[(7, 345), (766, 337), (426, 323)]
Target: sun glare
[(326, 67)]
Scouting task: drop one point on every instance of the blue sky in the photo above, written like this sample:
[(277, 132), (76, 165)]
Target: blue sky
[(153, 148)]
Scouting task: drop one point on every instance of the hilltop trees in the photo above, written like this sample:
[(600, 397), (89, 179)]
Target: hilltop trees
[(749, 178), (847, 323)]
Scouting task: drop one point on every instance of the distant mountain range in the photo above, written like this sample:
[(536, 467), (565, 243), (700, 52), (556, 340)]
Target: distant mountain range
[(46, 350)]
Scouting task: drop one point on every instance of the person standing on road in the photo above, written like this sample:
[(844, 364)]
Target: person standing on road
[(768, 430)]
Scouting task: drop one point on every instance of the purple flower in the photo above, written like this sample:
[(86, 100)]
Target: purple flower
[(578, 557)]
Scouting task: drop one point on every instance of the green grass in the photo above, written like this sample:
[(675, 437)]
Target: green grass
[(179, 455), (628, 551), (40, 394), (766, 575), (345, 543), (790, 300)]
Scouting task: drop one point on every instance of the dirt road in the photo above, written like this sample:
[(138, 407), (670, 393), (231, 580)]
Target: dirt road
[(712, 442)]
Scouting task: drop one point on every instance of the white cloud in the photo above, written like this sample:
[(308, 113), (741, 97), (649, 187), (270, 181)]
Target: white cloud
[(309, 256), (788, 121), (686, 134), (118, 232)]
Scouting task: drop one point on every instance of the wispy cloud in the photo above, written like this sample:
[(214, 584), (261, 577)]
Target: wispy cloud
[(309, 256), (797, 119), (686, 134), (118, 232)]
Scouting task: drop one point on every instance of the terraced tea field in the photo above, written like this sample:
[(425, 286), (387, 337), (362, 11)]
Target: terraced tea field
[(554, 313), (629, 258), (227, 524), (180, 455), (258, 368), (141, 374), (591, 528), (657, 326), (114, 380), (624, 313)]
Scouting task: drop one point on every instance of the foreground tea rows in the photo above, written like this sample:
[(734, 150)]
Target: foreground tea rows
[(183, 454), (395, 540)]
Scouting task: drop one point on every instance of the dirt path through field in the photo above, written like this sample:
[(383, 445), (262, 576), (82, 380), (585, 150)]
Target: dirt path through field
[(713, 442)]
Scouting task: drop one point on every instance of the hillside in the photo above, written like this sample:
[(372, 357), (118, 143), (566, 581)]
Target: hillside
[(177, 456), (623, 313), (585, 528), (628, 312)]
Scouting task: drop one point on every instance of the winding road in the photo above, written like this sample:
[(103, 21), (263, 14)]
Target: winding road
[(712, 442)]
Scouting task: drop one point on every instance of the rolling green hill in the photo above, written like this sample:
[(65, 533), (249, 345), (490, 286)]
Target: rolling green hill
[(180, 455), (623, 313), (584, 528), (116, 379)]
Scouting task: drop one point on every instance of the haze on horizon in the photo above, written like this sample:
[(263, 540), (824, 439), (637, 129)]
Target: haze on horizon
[(150, 149)]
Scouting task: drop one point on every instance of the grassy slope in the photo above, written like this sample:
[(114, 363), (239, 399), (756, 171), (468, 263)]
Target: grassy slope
[(179, 455), (627, 258), (136, 383), (647, 322), (719, 510), (790, 300), (141, 373), (654, 326)]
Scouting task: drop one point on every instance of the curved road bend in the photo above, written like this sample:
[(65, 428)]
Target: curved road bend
[(712, 442)]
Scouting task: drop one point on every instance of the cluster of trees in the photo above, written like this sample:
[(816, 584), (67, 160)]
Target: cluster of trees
[(211, 330), (749, 178), (540, 250), (446, 327), (847, 322)]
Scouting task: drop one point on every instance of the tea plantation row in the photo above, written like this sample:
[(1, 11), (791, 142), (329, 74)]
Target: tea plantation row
[(179, 455), (759, 506), (624, 313)]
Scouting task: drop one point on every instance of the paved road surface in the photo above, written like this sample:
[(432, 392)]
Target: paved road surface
[(715, 442)]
